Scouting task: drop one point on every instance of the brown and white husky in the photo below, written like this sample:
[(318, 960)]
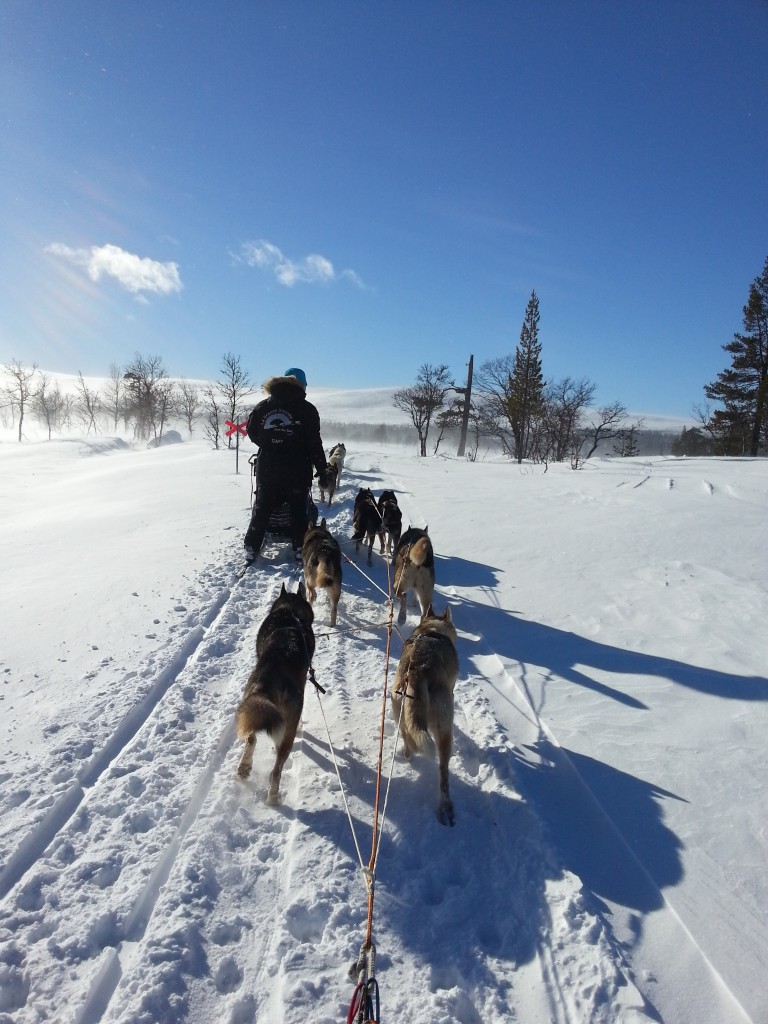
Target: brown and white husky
[(422, 697)]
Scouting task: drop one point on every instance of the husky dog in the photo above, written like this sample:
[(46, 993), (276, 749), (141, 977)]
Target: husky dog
[(332, 478), (422, 697), (336, 457), (274, 694), (366, 521), (414, 569), (321, 556), (391, 519)]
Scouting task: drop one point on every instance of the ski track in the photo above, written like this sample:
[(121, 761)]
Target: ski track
[(705, 487), (147, 781), (141, 925)]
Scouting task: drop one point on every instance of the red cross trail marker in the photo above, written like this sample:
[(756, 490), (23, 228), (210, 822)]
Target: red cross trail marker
[(238, 429)]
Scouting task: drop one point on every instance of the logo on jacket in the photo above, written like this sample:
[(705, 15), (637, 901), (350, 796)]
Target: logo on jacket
[(279, 421)]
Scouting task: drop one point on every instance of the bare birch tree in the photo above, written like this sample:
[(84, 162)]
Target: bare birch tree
[(22, 387), (147, 396), (86, 405), (234, 386), (609, 422), (424, 399), (212, 403), (493, 389), (114, 395), (49, 404), (188, 402)]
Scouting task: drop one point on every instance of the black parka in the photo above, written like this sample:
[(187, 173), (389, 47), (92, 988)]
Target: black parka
[(286, 427)]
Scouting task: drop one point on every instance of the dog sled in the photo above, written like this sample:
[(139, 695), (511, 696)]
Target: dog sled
[(279, 522)]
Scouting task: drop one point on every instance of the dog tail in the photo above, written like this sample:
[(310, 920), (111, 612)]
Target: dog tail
[(257, 713), (421, 551), (415, 724), (325, 576), (358, 525)]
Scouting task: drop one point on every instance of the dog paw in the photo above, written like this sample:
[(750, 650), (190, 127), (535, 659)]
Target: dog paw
[(273, 798), (243, 771), (445, 813)]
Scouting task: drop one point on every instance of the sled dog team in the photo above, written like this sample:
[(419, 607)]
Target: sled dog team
[(422, 693)]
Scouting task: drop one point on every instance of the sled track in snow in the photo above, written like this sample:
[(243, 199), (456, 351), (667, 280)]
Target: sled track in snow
[(31, 848), (142, 780), (153, 788), (143, 907)]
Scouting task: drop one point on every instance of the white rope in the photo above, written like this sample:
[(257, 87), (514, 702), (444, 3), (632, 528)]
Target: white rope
[(363, 867), (352, 629), (368, 873), (389, 782), (364, 575), (390, 625)]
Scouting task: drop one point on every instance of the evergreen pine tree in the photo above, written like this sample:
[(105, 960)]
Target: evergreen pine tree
[(627, 444), (741, 426), (526, 382), (692, 442)]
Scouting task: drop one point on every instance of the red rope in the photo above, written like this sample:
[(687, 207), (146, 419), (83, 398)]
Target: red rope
[(372, 862)]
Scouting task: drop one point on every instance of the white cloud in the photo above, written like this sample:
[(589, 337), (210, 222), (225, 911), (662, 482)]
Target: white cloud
[(312, 269), (350, 275), (137, 274), (262, 254)]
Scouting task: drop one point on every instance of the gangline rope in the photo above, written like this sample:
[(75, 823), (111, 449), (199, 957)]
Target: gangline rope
[(364, 1007)]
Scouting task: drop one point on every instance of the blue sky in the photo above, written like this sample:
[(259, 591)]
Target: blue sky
[(359, 188)]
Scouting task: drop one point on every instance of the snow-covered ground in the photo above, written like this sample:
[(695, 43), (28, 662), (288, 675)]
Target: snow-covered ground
[(608, 862)]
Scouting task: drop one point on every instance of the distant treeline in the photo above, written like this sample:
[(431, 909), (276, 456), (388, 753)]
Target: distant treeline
[(143, 401), (649, 442)]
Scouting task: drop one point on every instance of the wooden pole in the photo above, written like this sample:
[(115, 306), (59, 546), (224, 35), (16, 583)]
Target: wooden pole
[(465, 416)]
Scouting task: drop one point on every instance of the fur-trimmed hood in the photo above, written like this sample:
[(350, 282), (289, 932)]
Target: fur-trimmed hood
[(277, 382)]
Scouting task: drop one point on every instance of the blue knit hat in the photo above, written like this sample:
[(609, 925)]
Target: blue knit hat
[(300, 376)]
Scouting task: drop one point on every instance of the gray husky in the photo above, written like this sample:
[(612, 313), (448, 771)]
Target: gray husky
[(422, 697), (321, 556), (414, 569)]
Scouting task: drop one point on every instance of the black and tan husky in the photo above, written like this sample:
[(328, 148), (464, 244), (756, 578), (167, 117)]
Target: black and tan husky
[(422, 697), (331, 480), (366, 522), (321, 556), (414, 569), (391, 519), (274, 694)]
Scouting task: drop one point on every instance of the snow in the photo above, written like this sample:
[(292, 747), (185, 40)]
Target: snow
[(609, 773)]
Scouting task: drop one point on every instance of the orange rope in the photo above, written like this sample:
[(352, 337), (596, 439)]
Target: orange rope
[(374, 838)]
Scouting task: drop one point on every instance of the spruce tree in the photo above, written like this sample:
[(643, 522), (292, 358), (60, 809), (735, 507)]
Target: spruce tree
[(741, 426), (526, 382)]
